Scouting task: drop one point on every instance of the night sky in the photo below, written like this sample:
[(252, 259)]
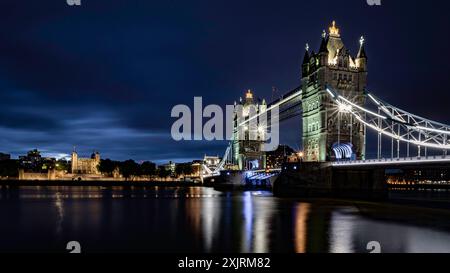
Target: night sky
[(104, 76)]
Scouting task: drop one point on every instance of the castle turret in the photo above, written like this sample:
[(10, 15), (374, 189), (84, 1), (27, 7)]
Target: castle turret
[(96, 163), (74, 161), (95, 156)]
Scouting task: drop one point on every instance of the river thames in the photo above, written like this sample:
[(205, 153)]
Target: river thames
[(203, 220)]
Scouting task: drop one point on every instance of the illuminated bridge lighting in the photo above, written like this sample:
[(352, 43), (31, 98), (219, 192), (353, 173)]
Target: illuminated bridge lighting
[(390, 161)]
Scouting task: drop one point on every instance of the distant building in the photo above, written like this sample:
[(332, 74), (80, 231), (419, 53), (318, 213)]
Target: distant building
[(31, 161), (85, 165), (275, 159), (31, 157), (211, 161), (34, 162), (170, 167), (196, 168), (5, 156)]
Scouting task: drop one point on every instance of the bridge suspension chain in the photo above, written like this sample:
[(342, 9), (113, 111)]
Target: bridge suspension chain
[(395, 123)]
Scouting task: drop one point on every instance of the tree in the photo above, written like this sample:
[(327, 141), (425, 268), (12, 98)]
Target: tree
[(148, 168), (62, 165), (129, 168), (107, 166), (187, 169), (163, 172), (34, 153), (179, 169), (183, 169)]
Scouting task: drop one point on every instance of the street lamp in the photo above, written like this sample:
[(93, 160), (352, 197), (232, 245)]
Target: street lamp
[(344, 108), (300, 156)]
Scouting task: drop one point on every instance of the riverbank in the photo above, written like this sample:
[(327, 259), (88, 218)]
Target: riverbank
[(75, 183)]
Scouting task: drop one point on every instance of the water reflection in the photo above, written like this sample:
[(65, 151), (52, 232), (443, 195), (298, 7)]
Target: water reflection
[(257, 218), (60, 212), (301, 228), (162, 219), (210, 216), (342, 230), (262, 227), (351, 234), (247, 227)]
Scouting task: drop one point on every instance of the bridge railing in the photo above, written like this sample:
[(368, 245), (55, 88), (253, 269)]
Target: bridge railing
[(435, 158)]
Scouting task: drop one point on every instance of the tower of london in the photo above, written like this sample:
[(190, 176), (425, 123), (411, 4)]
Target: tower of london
[(85, 165)]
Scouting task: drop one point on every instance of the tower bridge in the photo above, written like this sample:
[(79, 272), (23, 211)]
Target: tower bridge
[(338, 112)]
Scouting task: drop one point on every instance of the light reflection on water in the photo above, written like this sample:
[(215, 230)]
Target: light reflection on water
[(162, 219), (60, 212), (301, 230)]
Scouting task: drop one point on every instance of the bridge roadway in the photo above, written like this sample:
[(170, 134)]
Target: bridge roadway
[(438, 159)]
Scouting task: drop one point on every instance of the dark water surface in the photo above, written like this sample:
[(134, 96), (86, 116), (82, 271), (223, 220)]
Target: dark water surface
[(164, 219)]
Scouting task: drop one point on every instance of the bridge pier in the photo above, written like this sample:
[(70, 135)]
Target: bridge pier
[(310, 179), (367, 183)]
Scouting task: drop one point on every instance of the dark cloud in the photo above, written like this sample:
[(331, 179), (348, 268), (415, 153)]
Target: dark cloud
[(29, 121), (105, 75)]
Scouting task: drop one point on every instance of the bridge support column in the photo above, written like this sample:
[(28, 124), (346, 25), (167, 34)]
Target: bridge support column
[(351, 128), (419, 152), (392, 141), (398, 142), (339, 127), (445, 142), (379, 147), (379, 137), (409, 137)]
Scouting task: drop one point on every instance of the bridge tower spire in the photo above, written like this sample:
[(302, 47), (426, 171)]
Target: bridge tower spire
[(327, 130), (361, 58)]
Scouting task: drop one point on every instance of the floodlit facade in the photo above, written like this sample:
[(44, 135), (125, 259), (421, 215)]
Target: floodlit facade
[(328, 130), (85, 165)]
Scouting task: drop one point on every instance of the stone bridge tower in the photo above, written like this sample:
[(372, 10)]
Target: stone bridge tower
[(247, 144), (326, 129)]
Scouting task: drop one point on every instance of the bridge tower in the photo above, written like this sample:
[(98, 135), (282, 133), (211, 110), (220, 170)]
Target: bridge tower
[(329, 132), (247, 147)]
